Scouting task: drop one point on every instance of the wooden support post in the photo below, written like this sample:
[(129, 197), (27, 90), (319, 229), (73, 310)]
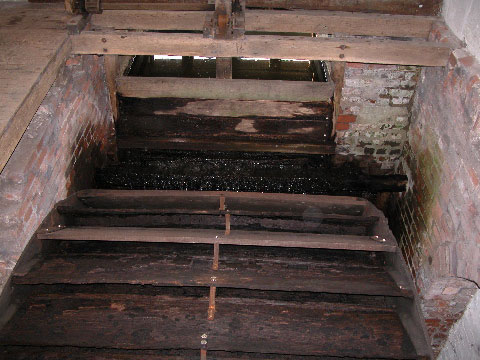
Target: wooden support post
[(222, 202), (216, 254), (223, 15), (111, 71), (227, 224), (337, 76), (224, 68), (203, 354)]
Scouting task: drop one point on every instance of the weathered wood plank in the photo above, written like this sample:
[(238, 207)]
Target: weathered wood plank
[(266, 109), (206, 128), (277, 273), (409, 52), (405, 7), (265, 203), (322, 22), (236, 237), (130, 321), (224, 88), (76, 353), (26, 79), (198, 144), (240, 220)]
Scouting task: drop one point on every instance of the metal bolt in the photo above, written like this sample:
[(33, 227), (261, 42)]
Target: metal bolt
[(203, 342), (213, 278), (204, 336)]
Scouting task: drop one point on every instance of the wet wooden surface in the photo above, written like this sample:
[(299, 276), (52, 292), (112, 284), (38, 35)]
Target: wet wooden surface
[(164, 319), (239, 267), (73, 353), (198, 124)]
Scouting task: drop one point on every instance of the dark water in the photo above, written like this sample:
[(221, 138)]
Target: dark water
[(231, 171)]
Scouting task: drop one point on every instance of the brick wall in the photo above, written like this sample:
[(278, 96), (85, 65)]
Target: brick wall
[(374, 111), (437, 220), (69, 135)]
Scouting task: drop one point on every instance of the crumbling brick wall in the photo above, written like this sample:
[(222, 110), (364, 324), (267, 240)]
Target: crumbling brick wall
[(374, 112), (70, 134), (437, 220)]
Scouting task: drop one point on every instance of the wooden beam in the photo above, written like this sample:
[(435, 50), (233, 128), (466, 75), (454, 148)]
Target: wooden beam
[(264, 203), (300, 21), (224, 88), (278, 47), (208, 145), (236, 237), (401, 7), (404, 7), (340, 23)]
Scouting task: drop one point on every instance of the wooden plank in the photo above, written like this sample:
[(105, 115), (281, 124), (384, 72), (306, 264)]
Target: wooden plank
[(410, 52), (76, 353), (27, 29), (277, 273), (18, 123), (236, 237), (248, 109), (239, 220), (404, 7), (264, 202), (224, 88), (150, 20), (321, 22), (131, 321), (123, 213), (254, 130), (198, 144), (339, 23)]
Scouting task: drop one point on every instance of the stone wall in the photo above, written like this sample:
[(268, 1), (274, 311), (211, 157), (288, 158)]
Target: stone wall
[(69, 135), (374, 112), (462, 18), (437, 220), (463, 341)]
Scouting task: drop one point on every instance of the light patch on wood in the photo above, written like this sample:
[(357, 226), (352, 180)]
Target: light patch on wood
[(305, 130), (118, 306), (246, 126), (240, 108)]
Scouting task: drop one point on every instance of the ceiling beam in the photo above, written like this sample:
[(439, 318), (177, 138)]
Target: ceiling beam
[(411, 52), (298, 21)]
